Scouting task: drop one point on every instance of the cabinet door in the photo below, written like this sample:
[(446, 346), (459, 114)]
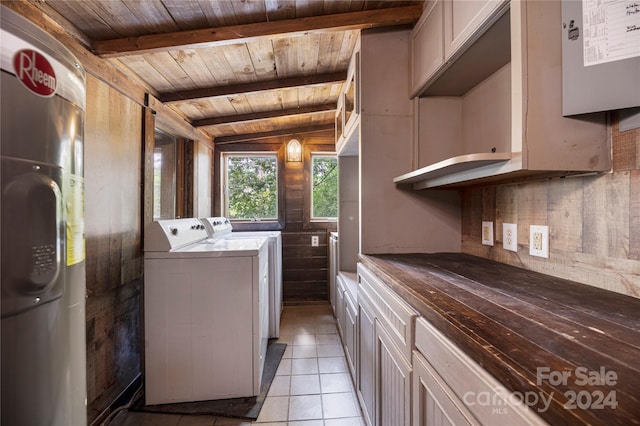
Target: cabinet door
[(427, 46), (339, 121), (350, 333), (393, 383), (333, 271), (340, 308), (433, 404), (366, 370), (466, 20)]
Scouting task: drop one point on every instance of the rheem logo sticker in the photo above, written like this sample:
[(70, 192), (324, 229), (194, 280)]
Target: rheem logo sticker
[(35, 72)]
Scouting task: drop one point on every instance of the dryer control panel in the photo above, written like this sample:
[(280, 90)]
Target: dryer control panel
[(217, 226)]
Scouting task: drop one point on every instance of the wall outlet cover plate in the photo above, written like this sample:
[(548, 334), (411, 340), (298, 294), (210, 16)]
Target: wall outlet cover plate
[(539, 241), (487, 233), (510, 236)]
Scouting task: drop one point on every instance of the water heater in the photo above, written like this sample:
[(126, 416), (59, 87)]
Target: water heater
[(43, 357)]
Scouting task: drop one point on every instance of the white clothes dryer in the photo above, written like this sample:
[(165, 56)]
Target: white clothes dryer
[(205, 312), (216, 226)]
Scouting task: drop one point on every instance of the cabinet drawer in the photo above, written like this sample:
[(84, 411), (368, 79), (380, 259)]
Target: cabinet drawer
[(470, 382), (395, 315)]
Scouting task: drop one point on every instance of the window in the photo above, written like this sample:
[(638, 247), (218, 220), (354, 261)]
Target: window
[(324, 191), (250, 186)]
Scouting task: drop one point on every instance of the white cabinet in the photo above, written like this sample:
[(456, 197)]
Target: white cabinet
[(449, 384), (385, 336), (348, 109), (346, 315), (464, 20), (492, 112), (427, 45), (333, 269), (393, 383), (366, 367), (433, 402), (349, 340), (446, 30), (340, 306)]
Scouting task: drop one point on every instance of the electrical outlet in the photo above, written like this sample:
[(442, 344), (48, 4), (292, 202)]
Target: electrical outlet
[(487, 233), (539, 241), (315, 241), (510, 236)]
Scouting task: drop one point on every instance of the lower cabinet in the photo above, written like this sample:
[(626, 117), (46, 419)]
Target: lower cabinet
[(409, 373), (451, 388), (433, 403), (340, 308), (385, 337), (366, 367), (350, 333), (393, 382)]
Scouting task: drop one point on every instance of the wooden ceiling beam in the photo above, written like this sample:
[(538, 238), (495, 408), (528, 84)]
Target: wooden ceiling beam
[(230, 119), (255, 137), (258, 86), (246, 32)]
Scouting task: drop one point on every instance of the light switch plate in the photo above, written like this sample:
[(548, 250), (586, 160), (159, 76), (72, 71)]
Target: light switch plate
[(510, 236), (539, 241), (487, 233)]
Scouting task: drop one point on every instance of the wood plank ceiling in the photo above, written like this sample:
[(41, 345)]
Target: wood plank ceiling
[(238, 69)]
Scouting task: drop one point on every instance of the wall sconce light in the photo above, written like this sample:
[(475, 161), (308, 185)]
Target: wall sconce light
[(294, 151)]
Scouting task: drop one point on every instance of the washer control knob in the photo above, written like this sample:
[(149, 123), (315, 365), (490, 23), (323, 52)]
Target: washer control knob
[(174, 231)]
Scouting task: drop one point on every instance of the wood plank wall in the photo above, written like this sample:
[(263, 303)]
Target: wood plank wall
[(305, 268), (114, 170), (113, 129), (594, 222)]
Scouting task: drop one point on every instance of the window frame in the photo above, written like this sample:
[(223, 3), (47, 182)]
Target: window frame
[(308, 224), (218, 185), (224, 201), (320, 154)]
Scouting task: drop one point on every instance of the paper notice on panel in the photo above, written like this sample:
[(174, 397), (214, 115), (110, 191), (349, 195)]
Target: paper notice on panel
[(611, 30)]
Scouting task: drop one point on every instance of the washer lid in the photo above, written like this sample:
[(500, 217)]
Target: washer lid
[(214, 248)]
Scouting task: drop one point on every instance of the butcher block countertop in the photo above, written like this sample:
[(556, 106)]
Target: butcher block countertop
[(526, 329)]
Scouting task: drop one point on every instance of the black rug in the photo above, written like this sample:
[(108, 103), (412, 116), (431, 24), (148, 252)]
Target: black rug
[(242, 408)]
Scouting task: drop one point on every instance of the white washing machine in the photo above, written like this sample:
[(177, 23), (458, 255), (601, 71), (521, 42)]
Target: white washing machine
[(205, 312), (218, 226)]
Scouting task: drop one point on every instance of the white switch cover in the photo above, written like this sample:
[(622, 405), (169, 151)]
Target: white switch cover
[(510, 236), (314, 241), (487, 233), (539, 241)]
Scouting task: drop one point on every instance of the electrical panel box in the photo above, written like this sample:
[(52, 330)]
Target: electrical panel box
[(600, 56)]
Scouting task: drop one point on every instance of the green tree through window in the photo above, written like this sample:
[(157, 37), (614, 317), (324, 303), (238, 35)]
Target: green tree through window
[(325, 187), (252, 187)]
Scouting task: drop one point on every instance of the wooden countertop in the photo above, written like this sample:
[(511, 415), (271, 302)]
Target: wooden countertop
[(514, 321)]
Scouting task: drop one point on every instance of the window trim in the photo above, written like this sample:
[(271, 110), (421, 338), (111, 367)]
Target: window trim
[(259, 149), (308, 224), (224, 201), (318, 154)]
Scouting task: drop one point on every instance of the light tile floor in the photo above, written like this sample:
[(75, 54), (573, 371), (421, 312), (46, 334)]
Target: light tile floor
[(312, 386)]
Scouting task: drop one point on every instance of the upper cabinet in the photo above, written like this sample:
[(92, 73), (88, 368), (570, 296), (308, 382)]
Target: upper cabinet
[(466, 20), (348, 111), (427, 45), (487, 86)]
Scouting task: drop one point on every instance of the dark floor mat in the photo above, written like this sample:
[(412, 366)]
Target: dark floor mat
[(243, 408)]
